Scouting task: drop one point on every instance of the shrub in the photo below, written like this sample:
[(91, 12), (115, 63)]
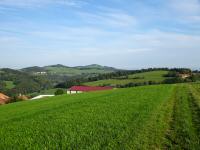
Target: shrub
[(59, 92)]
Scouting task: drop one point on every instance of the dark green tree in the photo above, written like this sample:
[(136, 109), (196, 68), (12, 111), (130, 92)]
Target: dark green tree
[(59, 92)]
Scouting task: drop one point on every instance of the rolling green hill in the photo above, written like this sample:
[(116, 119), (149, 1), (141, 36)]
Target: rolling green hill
[(70, 71), (36, 79), (149, 117), (14, 82), (156, 76)]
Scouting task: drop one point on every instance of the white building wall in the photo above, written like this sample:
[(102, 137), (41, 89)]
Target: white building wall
[(74, 92)]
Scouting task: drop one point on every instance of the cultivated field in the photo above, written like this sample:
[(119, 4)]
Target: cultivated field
[(149, 117), (156, 76)]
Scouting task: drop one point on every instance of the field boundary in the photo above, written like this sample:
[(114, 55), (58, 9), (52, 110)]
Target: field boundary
[(194, 98), (184, 128)]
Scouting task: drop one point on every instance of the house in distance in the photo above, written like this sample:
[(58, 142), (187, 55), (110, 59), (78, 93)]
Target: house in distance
[(81, 89)]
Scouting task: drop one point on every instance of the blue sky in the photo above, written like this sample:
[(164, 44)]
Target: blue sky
[(120, 33)]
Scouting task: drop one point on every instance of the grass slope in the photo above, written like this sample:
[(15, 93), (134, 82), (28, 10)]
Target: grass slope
[(156, 76), (149, 117), (9, 84), (182, 133)]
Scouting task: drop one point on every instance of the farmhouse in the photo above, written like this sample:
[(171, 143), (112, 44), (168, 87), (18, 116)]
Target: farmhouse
[(184, 76), (4, 99), (80, 89)]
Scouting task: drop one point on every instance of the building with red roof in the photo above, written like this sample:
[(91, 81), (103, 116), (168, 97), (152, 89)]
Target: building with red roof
[(80, 89)]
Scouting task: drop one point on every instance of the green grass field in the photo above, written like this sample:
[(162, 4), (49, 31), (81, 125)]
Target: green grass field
[(149, 117), (9, 84), (156, 76)]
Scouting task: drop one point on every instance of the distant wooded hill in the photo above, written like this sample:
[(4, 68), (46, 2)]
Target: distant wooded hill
[(69, 71), (35, 79)]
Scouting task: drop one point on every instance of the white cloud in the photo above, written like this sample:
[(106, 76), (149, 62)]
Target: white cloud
[(108, 48), (39, 3), (186, 6), (94, 41), (9, 40), (186, 10), (102, 36), (109, 17)]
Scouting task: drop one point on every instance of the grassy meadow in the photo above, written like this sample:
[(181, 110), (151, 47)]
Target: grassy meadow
[(149, 117), (9, 84), (156, 76)]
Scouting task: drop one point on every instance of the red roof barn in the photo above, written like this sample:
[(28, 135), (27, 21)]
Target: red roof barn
[(79, 89)]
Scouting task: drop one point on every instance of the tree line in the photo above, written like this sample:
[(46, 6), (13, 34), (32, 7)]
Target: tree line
[(26, 83)]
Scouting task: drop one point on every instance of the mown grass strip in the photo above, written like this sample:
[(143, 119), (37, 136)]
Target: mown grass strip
[(182, 133), (195, 107), (153, 135)]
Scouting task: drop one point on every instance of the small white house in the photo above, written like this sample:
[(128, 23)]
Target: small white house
[(41, 73), (41, 96)]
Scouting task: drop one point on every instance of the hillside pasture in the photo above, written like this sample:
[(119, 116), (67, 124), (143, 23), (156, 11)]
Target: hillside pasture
[(9, 84), (155, 76)]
